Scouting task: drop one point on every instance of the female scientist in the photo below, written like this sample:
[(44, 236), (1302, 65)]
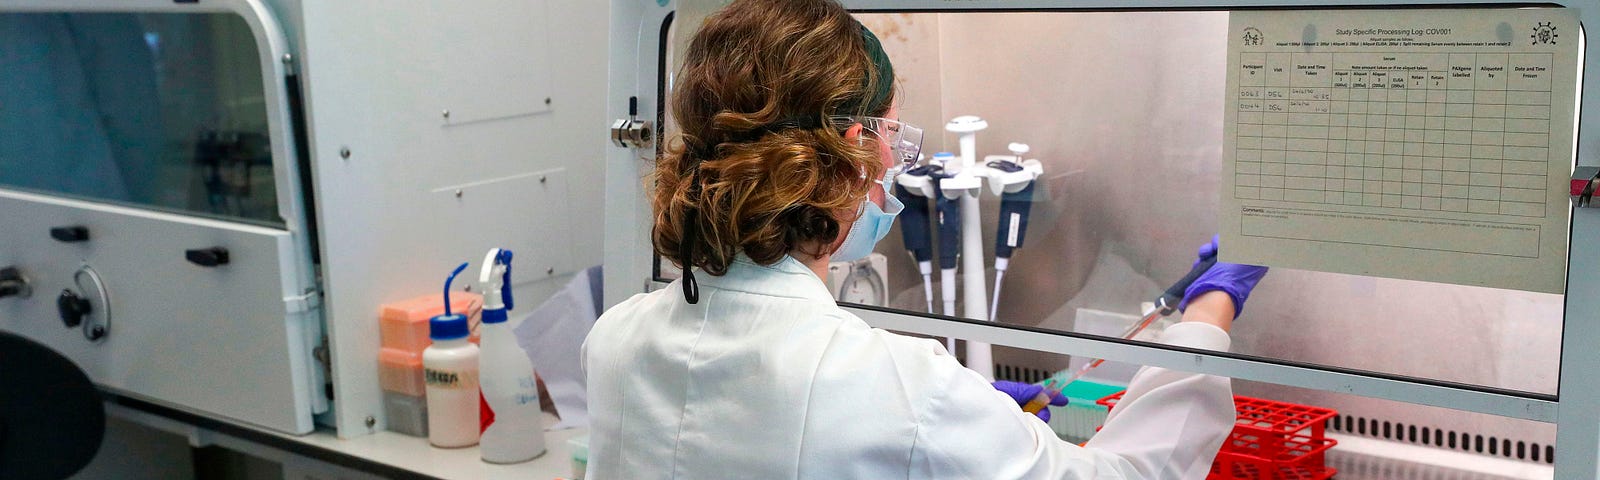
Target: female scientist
[(746, 368)]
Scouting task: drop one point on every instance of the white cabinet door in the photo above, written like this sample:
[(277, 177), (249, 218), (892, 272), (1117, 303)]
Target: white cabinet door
[(153, 136)]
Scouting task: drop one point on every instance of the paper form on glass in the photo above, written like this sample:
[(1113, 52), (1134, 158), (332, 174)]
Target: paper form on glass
[(1430, 145)]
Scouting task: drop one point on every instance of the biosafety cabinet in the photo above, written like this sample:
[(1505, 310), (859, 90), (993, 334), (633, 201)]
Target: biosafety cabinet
[(206, 202), (1142, 125)]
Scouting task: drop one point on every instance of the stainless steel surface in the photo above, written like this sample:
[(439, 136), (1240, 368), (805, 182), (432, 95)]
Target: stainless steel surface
[(631, 133), (1447, 396), (1128, 127), (1354, 466)]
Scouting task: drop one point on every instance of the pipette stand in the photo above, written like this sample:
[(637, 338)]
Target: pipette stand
[(967, 185), (922, 186)]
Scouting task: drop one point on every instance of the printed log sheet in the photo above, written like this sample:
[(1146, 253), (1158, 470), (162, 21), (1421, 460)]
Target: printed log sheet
[(1422, 144)]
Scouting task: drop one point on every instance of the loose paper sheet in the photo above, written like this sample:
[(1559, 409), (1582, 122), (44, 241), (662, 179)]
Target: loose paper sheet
[(552, 334), (1429, 145)]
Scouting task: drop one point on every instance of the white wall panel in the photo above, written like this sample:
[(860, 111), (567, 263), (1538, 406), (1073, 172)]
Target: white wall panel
[(391, 225)]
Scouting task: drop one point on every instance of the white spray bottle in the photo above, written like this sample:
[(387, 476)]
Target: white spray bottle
[(513, 429)]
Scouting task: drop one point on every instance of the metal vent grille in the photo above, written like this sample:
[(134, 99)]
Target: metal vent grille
[(1020, 374), (1443, 438)]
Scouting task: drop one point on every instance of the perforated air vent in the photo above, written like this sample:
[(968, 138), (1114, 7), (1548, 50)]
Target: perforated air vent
[(1020, 374)]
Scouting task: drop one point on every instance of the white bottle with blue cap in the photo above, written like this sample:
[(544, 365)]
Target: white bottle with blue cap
[(450, 371), (513, 428)]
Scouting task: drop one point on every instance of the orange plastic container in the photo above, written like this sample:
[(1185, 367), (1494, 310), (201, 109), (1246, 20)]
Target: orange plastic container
[(400, 371), (403, 325)]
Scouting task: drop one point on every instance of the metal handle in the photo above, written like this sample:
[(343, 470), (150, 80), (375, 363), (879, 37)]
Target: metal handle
[(207, 257), (14, 284), (70, 233), (631, 132), (96, 322)]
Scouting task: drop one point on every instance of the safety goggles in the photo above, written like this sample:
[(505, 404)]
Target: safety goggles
[(904, 139)]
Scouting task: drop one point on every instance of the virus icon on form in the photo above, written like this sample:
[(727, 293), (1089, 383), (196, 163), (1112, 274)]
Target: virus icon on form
[(1544, 34)]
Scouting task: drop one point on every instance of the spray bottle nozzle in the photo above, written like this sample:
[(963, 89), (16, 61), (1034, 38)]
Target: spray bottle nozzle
[(505, 278), (495, 278)]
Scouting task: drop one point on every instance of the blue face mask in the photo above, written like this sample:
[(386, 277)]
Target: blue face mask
[(870, 226)]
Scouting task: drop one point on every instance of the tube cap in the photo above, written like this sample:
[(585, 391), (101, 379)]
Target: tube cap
[(448, 327)]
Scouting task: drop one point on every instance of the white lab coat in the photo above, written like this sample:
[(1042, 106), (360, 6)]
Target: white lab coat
[(768, 378)]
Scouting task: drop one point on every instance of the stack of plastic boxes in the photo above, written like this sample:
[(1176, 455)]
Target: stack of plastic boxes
[(403, 327)]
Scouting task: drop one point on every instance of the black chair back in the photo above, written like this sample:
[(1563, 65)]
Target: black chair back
[(52, 418)]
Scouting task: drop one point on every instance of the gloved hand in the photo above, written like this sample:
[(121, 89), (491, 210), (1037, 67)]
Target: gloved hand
[(1023, 393), (1234, 279)]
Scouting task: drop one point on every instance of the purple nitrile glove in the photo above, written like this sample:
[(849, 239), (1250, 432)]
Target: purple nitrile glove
[(1234, 279), (1023, 393)]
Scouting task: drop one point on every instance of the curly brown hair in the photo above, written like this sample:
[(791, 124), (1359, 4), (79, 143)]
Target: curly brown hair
[(760, 167)]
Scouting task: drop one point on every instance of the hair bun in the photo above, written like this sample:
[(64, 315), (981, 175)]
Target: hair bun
[(757, 168)]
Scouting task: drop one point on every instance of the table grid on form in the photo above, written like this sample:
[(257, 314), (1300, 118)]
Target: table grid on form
[(1412, 131)]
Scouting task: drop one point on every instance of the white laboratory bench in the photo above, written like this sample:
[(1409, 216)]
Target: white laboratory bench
[(321, 455)]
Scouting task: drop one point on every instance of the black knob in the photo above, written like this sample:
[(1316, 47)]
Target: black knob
[(70, 233), (72, 308), (207, 257)]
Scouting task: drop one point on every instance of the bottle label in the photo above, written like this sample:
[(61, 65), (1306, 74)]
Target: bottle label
[(450, 379), (529, 391), (1016, 226)]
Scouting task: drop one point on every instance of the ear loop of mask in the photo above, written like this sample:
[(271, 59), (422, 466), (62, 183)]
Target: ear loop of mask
[(890, 172), (691, 288)]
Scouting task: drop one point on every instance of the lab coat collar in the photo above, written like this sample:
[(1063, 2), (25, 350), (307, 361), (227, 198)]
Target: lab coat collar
[(786, 278)]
